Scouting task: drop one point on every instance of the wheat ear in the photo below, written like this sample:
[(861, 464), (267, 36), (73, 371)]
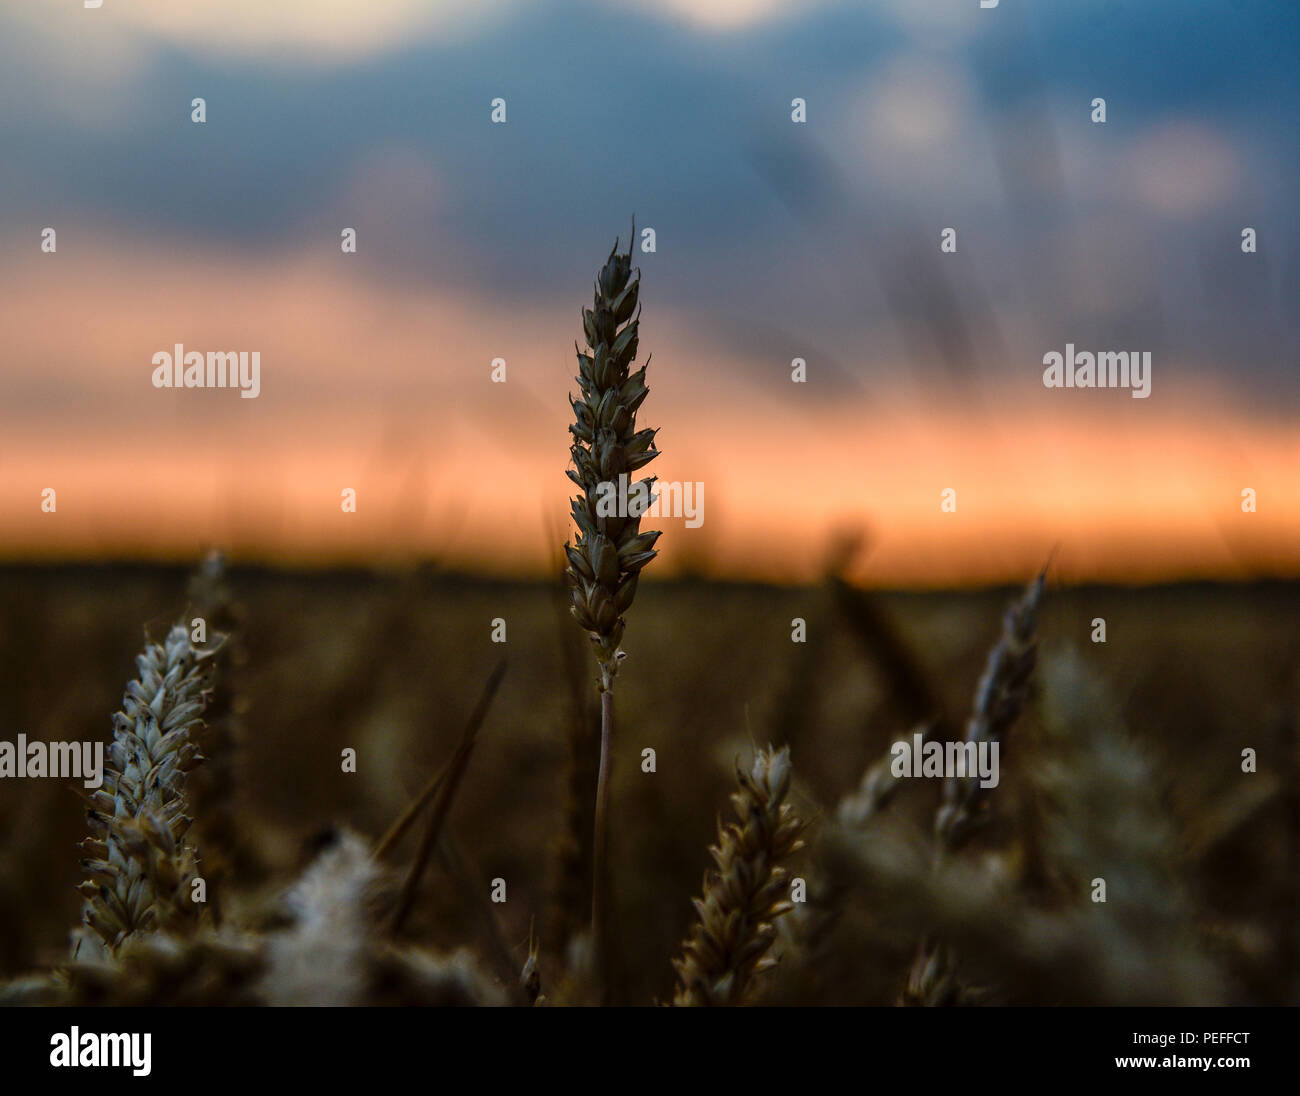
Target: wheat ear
[(139, 865), (999, 698), (728, 945), (606, 560)]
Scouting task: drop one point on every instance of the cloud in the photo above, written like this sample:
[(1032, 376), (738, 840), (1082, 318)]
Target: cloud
[(724, 15), (938, 21), (915, 127), (312, 31), (1183, 168), (49, 65)]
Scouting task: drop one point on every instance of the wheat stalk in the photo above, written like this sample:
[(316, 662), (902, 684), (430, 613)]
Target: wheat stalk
[(138, 864), (605, 562), (1103, 818), (728, 945), (573, 844), (999, 697)]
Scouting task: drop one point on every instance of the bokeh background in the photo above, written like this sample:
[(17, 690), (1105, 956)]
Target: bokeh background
[(821, 500), (775, 241)]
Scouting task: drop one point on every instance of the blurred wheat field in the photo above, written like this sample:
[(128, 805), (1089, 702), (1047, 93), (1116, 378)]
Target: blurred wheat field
[(391, 666)]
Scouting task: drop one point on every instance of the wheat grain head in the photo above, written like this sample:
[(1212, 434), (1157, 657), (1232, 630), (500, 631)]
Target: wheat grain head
[(605, 562), (729, 943), (138, 864)]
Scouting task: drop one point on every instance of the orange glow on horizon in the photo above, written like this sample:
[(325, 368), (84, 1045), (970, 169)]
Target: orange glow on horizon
[(386, 389)]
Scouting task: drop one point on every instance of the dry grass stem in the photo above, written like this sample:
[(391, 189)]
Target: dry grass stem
[(443, 797)]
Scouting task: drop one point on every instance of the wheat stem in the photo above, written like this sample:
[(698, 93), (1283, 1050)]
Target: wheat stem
[(399, 828), (600, 877), (571, 904)]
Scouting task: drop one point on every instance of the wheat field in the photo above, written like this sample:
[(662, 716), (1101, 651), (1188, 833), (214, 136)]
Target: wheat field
[(1124, 764)]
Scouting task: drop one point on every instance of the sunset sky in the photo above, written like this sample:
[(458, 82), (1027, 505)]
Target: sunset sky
[(774, 241)]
